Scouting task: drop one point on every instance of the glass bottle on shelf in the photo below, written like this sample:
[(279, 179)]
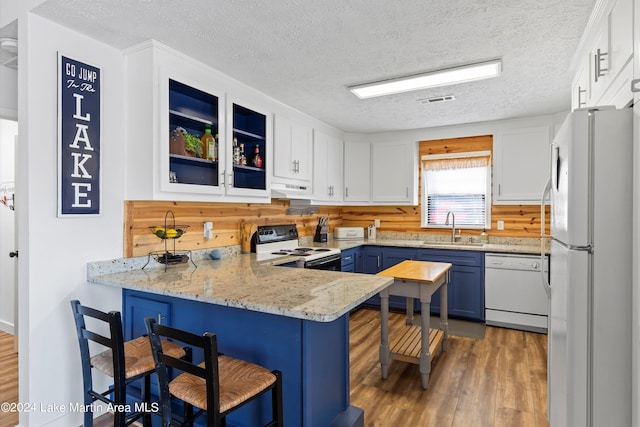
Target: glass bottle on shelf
[(243, 158), (257, 158), (207, 143), (214, 157), (236, 152)]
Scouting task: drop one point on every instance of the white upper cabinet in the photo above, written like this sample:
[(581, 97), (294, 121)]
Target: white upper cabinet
[(520, 164), (608, 55), (621, 35), (394, 172), (620, 22), (292, 150), (157, 165), (357, 171), (327, 168), (172, 99)]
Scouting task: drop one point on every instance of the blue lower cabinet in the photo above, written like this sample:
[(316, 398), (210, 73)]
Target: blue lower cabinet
[(378, 258), (135, 309), (359, 265), (393, 256), (466, 282), (372, 264), (350, 260), (312, 356), (372, 259)]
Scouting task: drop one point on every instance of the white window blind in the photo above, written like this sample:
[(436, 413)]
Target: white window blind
[(459, 184)]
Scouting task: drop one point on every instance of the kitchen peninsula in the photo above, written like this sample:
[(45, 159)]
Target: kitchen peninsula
[(291, 319)]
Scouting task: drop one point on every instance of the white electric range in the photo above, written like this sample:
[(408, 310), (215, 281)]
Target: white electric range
[(273, 241)]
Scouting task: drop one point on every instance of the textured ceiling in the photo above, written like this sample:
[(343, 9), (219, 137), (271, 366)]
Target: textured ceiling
[(306, 52)]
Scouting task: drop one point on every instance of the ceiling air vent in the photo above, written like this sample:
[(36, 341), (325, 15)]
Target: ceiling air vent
[(437, 99)]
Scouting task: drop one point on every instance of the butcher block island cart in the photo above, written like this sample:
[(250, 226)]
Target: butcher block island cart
[(295, 320), (414, 344)]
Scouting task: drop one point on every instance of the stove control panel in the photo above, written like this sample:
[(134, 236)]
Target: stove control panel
[(276, 233)]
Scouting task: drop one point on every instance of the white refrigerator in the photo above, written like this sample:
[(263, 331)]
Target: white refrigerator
[(590, 189)]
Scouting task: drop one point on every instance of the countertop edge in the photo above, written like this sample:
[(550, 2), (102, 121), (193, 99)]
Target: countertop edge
[(487, 247)]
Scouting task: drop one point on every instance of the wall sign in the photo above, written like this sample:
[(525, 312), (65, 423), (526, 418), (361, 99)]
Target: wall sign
[(79, 137)]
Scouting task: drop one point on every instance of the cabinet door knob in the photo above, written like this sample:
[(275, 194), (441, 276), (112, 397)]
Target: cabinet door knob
[(13, 254)]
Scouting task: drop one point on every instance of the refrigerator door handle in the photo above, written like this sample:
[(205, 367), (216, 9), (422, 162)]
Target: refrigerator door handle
[(544, 237), (555, 166)]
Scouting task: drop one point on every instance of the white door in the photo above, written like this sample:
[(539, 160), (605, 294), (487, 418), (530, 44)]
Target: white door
[(8, 264)]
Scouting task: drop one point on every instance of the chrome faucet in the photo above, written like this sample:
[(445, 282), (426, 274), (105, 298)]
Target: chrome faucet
[(453, 226)]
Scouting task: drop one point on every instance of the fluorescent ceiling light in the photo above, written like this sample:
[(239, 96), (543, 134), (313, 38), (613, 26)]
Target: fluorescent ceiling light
[(449, 76)]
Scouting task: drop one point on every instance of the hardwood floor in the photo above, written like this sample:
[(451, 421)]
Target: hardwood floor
[(497, 381), (8, 378)]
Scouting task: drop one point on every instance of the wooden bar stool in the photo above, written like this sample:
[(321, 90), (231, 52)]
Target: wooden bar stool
[(125, 362), (218, 385)]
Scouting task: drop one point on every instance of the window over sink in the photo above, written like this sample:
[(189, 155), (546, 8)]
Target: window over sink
[(458, 183)]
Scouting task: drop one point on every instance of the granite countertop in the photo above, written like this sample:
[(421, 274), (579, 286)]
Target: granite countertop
[(239, 280)]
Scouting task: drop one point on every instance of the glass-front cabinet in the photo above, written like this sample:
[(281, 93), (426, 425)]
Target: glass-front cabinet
[(248, 148), (234, 158), (190, 107), (191, 113), (193, 134)]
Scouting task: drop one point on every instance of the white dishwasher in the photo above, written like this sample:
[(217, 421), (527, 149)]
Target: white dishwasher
[(514, 294)]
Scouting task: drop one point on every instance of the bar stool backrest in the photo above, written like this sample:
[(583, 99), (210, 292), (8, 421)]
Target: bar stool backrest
[(115, 342)]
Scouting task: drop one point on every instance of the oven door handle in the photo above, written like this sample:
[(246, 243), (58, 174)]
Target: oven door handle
[(320, 261)]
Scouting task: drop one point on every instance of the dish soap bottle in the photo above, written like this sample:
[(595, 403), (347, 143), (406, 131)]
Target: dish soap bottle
[(484, 237)]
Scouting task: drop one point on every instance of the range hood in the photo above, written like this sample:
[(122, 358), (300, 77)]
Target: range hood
[(290, 191)]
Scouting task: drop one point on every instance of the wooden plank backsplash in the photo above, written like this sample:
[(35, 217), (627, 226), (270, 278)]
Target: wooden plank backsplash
[(519, 220), (226, 218)]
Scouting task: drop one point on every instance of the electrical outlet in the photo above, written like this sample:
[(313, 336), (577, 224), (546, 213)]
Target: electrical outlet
[(500, 225), (376, 223), (208, 230)]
